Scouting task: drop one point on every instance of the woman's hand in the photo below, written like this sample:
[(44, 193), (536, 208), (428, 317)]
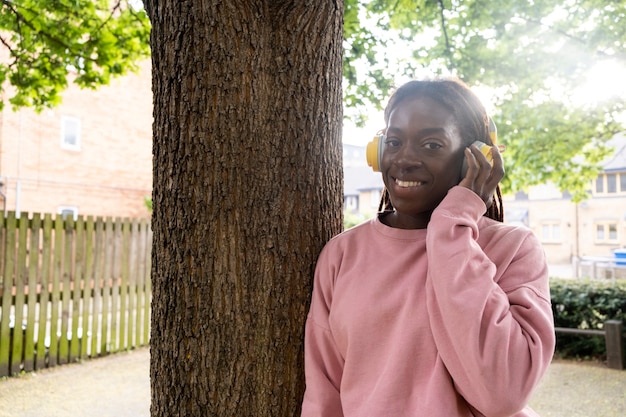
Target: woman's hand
[(481, 176)]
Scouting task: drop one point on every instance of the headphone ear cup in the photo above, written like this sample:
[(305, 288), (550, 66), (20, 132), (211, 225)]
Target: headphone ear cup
[(374, 152), (484, 149)]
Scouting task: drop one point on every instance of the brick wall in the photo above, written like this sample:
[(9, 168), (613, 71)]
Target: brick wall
[(108, 176)]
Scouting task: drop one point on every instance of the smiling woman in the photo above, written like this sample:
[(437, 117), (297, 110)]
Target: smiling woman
[(434, 307)]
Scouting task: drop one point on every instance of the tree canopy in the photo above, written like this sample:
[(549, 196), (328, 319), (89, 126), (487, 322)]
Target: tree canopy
[(531, 55), (46, 43)]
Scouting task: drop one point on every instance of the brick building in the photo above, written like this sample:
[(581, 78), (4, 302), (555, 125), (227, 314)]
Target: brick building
[(91, 155)]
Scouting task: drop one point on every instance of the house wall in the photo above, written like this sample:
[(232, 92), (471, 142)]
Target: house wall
[(601, 210), (369, 201), (111, 172), (568, 230)]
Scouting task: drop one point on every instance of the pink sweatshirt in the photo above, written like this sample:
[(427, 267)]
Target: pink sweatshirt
[(452, 320)]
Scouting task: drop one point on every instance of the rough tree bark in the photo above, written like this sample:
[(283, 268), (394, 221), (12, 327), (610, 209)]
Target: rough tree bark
[(247, 189)]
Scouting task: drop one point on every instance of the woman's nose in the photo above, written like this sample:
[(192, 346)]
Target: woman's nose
[(408, 156)]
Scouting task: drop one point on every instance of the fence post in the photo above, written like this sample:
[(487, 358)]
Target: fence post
[(614, 338)]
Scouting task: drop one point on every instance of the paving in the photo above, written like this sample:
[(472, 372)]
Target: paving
[(119, 386), (116, 385)]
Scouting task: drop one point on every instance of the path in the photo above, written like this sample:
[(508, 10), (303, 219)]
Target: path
[(119, 386)]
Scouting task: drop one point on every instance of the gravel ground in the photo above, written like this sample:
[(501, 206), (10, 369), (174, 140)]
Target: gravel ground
[(581, 389), (111, 386), (119, 386)]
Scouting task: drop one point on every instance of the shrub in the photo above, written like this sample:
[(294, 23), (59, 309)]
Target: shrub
[(585, 304), (351, 219)]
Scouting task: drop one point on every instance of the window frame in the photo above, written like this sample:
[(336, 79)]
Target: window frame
[(553, 225), (606, 230)]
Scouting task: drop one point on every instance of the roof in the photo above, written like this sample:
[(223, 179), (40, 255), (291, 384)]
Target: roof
[(617, 161)]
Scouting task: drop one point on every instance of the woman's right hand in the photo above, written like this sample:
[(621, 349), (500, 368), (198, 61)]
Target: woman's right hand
[(482, 177)]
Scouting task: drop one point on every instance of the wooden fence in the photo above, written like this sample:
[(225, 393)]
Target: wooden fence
[(71, 290)]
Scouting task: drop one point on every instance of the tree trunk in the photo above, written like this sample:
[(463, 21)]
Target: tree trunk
[(247, 189)]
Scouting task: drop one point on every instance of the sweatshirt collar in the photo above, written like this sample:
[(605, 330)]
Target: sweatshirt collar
[(399, 234)]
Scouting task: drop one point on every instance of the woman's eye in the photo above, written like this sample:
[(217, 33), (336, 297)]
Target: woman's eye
[(432, 145), (391, 142)]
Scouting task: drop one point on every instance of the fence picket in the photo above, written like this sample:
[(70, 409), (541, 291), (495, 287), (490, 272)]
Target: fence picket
[(76, 287), (67, 277), (115, 286), (31, 294), (20, 281), (147, 289), (98, 279), (43, 337), (132, 282), (10, 224), (135, 274), (88, 287), (105, 335), (53, 355), (124, 296)]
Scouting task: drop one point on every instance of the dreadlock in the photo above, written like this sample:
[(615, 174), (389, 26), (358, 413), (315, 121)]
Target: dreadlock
[(468, 112)]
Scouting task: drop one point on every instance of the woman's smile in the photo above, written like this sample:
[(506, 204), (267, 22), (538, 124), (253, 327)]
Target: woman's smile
[(407, 184)]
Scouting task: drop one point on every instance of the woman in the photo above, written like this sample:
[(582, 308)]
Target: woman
[(435, 307)]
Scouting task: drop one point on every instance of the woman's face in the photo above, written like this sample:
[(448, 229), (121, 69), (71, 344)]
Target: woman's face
[(422, 158)]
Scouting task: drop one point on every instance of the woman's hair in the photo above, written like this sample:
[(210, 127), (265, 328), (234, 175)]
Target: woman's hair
[(468, 112)]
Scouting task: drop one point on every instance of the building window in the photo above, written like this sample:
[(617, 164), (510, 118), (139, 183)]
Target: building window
[(551, 231), (606, 232), (610, 184), (68, 211), (600, 185), (70, 133)]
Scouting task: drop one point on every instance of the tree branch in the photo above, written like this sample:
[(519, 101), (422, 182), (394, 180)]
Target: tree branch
[(443, 28), (20, 18)]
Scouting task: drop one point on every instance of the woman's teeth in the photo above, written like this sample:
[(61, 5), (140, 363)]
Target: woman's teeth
[(408, 183)]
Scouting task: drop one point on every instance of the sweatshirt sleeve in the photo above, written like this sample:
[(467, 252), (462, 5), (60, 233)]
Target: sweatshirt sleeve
[(323, 364), (490, 315)]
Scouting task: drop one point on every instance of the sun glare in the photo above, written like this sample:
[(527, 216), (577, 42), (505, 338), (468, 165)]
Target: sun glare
[(604, 81)]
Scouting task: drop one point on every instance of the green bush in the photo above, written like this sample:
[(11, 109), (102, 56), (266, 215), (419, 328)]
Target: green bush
[(351, 219), (585, 304)]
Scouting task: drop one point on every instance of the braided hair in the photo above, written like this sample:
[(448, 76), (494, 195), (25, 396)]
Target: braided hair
[(468, 112)]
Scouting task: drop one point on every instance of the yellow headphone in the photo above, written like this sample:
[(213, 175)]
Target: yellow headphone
[(374, 149)]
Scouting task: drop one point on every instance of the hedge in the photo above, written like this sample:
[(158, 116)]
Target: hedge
[(585, 304)]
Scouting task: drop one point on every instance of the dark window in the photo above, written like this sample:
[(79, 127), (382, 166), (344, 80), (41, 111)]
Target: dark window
[(600, 184), (611, 183)]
